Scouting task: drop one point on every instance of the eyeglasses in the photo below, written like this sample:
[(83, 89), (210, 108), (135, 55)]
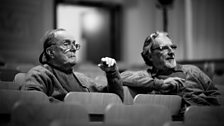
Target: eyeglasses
[(67, 44), (166, 47)]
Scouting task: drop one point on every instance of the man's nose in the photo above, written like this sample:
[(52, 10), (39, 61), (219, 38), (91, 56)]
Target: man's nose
[(171, 52), (72, 48)]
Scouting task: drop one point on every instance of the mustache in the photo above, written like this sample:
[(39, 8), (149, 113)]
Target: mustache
[(69, 50), (66, 50)]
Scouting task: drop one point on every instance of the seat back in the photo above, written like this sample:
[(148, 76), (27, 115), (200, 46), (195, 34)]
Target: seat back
[(95, 103), (20, 78), (9, 85), (128, 98), (220, 89), (172, 102), (138, 114), (24, 67), (7, 74), (220, 100), (70, 123), (25, 114), (9, 97), (204, 114)]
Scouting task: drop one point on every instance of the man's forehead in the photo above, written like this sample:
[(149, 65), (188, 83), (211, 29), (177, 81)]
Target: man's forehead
[(162, 40), (64, 35)]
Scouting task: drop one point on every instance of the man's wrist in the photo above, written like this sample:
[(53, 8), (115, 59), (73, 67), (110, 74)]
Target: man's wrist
[(158, 84), (112, 74)]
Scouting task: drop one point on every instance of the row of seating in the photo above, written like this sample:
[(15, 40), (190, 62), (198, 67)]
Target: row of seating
[(38, 111), (128, 93), (171, 101), (8, 72), (9, 97), (92, 101), (25, 114)]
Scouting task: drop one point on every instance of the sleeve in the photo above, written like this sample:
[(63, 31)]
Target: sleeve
[(205, 82), (115, 84), (38, 80), (204, 93), (141, 79)]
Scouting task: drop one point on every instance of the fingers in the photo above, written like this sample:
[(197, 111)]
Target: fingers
[(108, 64), (179, 79), (174, 80), (108, 61)]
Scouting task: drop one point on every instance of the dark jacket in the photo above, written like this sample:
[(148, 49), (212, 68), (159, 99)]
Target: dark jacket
[(57, 84), (198, 89)]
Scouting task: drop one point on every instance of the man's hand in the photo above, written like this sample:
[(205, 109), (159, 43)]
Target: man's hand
[(172, 83), (108, 64)]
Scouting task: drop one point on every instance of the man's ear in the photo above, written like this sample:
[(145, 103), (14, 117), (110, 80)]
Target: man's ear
[(149, 57), (50, 52)]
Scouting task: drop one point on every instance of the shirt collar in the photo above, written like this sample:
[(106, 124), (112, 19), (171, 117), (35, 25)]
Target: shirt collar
[(154, 71)]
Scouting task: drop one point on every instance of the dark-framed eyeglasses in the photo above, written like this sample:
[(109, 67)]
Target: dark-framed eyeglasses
[(68, 44), (166, 47), (77, 46)]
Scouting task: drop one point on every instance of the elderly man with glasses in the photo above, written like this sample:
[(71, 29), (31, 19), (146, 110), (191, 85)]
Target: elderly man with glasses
[(56, 76), (165, 76)]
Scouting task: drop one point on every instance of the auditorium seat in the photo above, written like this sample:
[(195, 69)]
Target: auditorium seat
[(9, 85), (20, 78), (128, 98), (174, 123), (9, 97), (93, 102), (26, 114), (7, 74), (137, 114), (204, 115), (220, 89), (172, 102), (221, 100), (70, 123), (24, 67)]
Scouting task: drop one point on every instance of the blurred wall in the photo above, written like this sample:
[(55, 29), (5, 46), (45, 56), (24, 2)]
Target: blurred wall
[(143, 18), (206, 28), (23, 22), (139, 21)]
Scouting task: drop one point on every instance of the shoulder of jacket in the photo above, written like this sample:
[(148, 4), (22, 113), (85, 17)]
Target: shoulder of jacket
[(40, 69), (189, 67)]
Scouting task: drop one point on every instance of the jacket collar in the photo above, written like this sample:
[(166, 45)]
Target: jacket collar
[(155, 71)]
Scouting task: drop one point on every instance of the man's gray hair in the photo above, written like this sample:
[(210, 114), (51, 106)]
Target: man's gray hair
[(147, 47), (48, 39)]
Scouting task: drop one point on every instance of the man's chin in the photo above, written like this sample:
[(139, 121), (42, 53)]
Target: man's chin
[(72, 63), (171, 64)]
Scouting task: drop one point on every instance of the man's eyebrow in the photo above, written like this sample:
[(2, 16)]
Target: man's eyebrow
[(67, 40)]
